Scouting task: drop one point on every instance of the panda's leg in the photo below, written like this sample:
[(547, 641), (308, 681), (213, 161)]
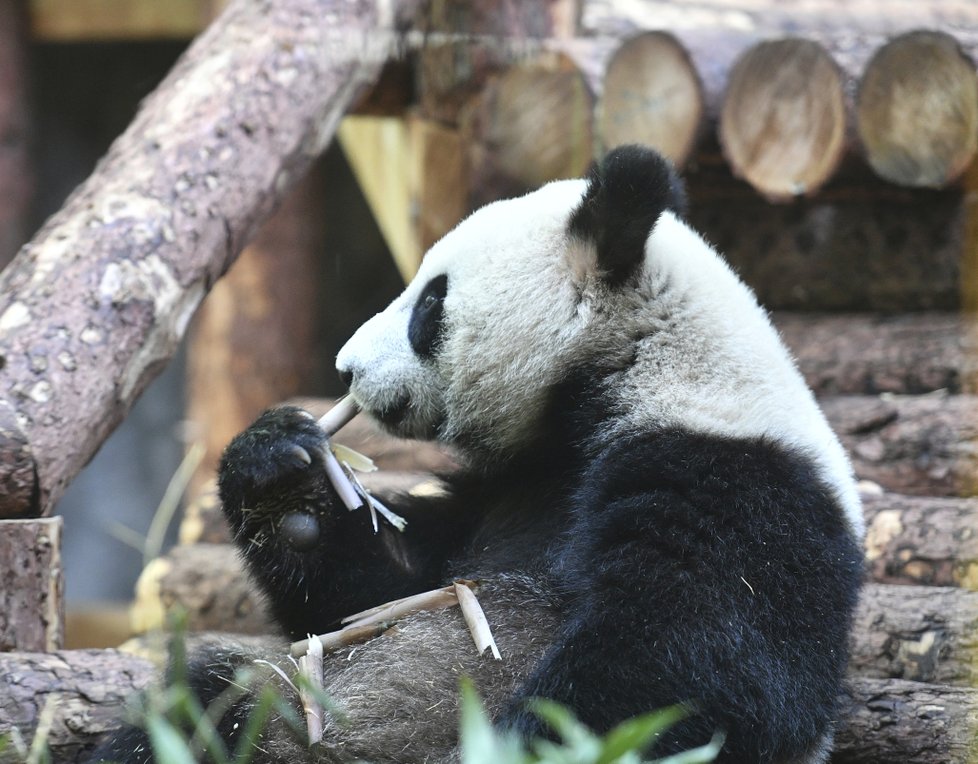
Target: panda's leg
[(274, 470)]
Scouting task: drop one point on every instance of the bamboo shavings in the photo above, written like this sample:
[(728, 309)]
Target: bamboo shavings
[(311, 669), (371, 623), (475, 618), (341, 461)]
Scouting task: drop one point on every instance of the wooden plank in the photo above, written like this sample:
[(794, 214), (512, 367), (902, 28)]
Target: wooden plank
[(378, 149)]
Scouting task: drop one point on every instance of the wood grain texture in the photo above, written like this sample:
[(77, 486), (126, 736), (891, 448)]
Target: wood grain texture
[(652, 95), (783, 120), (917, 110)]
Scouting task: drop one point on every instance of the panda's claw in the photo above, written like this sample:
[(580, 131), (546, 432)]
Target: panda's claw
[(300, 453)]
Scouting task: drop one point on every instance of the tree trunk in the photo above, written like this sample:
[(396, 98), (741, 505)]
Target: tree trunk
[(87, 690), (910, 444), (860, 353), (893, 720), (136, 247), (32, 594), (652, 94), (920, 633), (530, 125), (922, 540), (717, 33), (487, 39)]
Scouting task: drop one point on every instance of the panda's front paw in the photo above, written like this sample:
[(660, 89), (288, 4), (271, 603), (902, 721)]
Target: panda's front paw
[(280, 446), (274, 469)]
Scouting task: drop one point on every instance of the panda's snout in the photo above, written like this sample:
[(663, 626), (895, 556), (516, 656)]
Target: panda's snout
[(346, 375)]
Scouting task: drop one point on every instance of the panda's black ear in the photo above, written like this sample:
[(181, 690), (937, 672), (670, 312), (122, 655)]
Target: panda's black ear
[(627, 192)]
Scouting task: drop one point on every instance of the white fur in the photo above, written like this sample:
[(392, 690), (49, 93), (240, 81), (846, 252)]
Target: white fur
[(525, 303)]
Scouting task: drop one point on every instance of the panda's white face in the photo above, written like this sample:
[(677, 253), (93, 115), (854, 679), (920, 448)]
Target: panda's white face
[(493, 317)]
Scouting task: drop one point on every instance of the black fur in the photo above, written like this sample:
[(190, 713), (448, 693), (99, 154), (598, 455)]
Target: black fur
[(426, 328), (627, 192)]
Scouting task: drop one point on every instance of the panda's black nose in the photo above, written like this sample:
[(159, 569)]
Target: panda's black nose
[(346, 376)]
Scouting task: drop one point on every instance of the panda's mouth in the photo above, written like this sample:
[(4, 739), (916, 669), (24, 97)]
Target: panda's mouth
[(393, 414)]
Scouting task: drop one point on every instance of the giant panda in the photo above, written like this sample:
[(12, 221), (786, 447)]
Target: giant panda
[(656, 509)]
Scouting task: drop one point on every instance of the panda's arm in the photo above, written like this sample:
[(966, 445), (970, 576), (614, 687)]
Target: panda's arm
[(274, 469)]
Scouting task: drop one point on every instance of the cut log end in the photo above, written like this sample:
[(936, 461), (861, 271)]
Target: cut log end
[(652, 95), (531, 125), (917, 110), (782, 124)]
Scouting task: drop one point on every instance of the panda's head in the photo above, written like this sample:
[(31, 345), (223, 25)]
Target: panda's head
[(596, 281), (508, 302)]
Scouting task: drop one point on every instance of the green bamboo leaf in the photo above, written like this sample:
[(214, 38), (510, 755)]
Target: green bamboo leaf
[(637, 733), (574, 734), (168, 744)]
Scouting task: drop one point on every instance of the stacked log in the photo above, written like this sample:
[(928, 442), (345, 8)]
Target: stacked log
[(652, 94), (783, 121), (917, 110)]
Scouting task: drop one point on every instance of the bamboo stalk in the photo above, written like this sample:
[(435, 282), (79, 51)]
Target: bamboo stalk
[(475, 618), (372, 622), (311, 669)]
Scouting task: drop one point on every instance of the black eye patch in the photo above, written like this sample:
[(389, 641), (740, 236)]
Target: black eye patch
[(426, 327)]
